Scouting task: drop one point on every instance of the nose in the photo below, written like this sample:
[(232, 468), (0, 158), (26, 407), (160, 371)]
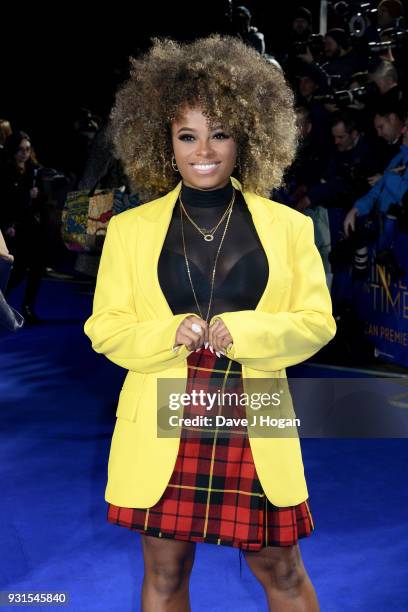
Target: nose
[(204, 148)]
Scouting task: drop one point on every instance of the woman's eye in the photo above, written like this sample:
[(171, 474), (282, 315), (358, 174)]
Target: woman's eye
[(186, 137), (190, 137)]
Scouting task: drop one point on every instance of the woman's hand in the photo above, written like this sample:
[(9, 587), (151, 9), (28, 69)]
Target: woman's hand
[(219, 337), (191, 338), (34, 193)]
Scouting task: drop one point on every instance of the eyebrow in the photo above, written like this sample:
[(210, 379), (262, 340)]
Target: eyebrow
[(219, 127)]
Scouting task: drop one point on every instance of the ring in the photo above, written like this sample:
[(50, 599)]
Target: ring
[(196, 328)]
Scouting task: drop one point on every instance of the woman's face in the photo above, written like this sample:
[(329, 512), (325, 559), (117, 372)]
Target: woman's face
[(23, 152), (205, 157)]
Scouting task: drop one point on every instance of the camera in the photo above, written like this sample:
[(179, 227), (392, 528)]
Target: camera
[(398, 39), (348, 97), (315, 43), (356, 15)]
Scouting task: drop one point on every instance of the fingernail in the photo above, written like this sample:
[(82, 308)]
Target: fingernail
[(211, 349), (206, 345), (217, 353), (197, 350)]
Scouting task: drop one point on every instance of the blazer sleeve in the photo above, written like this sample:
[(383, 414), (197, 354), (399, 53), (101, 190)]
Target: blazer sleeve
[(114, 328), (273, 341)]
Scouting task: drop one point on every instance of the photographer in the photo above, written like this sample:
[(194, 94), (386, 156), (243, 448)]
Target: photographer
[(389, 189), (389, 13), (389, 125), (351, 164), (241, 19), (342, 59), (385, 76), (301, 28), (311, 81)]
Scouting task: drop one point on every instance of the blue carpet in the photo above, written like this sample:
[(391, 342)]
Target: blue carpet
[(57, 407)]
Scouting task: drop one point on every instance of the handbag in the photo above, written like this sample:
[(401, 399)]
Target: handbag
[(85, 218), (86, 215)]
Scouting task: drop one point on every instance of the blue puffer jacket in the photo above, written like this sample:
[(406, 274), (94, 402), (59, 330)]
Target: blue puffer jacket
[(389, 189)]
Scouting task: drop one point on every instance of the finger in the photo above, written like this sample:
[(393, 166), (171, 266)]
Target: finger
[(217, 341), (191, 338), (218, 338), (212, 330)]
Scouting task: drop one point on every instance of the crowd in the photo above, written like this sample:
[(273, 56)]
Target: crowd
[(350, 174)]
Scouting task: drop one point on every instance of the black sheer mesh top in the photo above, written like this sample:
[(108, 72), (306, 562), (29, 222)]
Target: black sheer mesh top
[(242, 267)]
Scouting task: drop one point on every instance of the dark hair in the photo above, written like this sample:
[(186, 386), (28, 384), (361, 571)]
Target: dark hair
[(13, 143), (340, 36), (303, 13), (393, 7), (347, 119), (385, 109)]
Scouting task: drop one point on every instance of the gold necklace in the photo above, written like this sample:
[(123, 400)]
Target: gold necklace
[(208, 234), (215, 261)]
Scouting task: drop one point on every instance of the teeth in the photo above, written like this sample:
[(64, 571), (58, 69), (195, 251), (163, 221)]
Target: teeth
[(204, 166)]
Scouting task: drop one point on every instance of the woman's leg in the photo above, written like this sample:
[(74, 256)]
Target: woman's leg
[(282, 574), (168, 564)]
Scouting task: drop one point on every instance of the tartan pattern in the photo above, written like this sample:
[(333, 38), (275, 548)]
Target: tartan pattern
[(214, 494)]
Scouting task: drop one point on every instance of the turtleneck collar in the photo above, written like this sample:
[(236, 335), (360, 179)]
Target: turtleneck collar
[(206, 199)]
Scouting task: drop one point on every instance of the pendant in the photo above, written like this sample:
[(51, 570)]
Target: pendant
[(208, 237)]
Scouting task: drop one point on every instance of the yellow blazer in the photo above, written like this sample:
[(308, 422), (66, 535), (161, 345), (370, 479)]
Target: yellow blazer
[(133, 325)]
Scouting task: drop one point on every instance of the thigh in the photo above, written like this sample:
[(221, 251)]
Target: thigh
[(165, 553)]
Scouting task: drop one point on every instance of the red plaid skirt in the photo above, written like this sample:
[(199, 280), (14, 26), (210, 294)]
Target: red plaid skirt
[(214, 494)]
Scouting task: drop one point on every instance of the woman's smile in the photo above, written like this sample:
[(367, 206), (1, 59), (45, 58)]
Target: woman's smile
[(206, 168)]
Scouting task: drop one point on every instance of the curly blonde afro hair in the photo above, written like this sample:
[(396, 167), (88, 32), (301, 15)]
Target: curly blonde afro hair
[(233, 85)]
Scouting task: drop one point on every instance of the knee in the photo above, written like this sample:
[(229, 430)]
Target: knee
[(289, 577), (168, 578), (281, 570)]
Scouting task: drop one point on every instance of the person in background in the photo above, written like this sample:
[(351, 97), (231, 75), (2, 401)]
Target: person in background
[(385, 76), (389, 189), (351, 165), (389, 125), (21, 202), (5, 132), (250, 35), (389, 12), (302, 26), (342, 60)]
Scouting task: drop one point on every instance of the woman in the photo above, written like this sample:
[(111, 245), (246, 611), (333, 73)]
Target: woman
[(209, 280), (20, 217)]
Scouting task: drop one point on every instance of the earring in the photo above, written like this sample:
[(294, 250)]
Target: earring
[(173, 164)]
